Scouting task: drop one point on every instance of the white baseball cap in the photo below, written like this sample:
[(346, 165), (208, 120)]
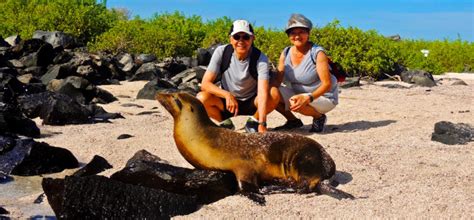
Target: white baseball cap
[(241, 26)]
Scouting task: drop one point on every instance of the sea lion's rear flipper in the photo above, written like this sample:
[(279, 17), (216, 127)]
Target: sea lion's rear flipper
[(325, 187)]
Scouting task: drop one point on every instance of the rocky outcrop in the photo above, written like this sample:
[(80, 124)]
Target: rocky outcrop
[(449, 133), (147, 187), (418, 77), (26, 157)]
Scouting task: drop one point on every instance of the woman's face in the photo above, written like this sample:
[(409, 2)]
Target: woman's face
[(299, 36)]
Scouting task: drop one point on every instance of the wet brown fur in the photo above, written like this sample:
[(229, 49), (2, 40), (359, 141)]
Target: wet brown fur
[(255, 159)]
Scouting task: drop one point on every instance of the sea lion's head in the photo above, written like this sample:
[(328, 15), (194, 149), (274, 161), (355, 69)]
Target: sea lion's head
[(182, 105)]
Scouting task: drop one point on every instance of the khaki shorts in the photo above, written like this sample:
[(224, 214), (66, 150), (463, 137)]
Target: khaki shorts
[(321, 104)]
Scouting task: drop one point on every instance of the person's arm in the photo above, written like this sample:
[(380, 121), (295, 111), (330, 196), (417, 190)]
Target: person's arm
[(280, 69), (322, 69), (262, 94)]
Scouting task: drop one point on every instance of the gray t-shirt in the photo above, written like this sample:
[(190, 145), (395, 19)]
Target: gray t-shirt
[(303, 77), (237, 79)]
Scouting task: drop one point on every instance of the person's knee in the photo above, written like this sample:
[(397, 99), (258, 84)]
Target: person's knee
[(275, 95), (203, 96)]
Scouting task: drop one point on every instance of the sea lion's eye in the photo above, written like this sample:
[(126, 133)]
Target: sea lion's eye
[(178, 103), (192, 109)]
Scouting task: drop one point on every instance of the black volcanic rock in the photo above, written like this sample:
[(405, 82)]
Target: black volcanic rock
[(449, 133), (98, 197), (59, 109), (55, 38), (418, 77), (95, 166), (145, 169), (25, 157)]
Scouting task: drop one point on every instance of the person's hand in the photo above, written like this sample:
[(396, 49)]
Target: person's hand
[(298, 101), (262, 129), (231, 104)]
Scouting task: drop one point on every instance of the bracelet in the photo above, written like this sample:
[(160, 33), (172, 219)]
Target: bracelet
[(263, 123), (311, 97)]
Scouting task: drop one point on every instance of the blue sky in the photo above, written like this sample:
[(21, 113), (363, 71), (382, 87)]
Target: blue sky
[(415, 19)]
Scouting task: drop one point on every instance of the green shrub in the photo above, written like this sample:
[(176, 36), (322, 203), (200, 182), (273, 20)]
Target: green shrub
[(83, 19), (217, 31), (360, 53), (444, 56), (164, 35)]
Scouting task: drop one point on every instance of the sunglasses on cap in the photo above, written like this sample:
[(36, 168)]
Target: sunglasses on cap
[(243, 36)]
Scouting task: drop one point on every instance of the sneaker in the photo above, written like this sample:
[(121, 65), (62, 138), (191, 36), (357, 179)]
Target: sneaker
[(290, 124), (227, 124), (251, 126), (318, 124)]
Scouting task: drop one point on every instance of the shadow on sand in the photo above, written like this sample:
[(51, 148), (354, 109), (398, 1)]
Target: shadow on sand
[(346, 127), (357, 126), (342, 177)]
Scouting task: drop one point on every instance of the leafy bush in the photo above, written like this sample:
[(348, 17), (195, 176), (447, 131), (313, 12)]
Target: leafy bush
[(83, 19), (358, 52), (163, 35), (444, 56), (365, 53)]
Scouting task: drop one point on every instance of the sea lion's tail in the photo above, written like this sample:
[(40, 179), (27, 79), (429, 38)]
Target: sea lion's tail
[(325, 187)]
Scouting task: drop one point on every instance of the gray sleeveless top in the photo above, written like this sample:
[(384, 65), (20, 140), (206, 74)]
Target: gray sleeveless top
[(303, 77)]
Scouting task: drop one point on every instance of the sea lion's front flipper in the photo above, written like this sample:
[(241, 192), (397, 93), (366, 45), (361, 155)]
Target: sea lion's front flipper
[(248, 187), (255, 197), (325, 187)]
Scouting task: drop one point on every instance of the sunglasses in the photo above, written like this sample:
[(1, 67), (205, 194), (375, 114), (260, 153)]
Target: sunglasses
[(243, 36)]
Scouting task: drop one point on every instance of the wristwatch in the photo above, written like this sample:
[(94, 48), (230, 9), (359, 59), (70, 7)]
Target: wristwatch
[(311, 97), (264, 123)]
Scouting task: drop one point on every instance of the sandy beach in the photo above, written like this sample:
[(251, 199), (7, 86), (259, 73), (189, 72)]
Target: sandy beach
[(379, 137)]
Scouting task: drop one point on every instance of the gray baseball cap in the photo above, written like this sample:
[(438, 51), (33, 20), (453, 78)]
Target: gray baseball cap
[(298, 20)]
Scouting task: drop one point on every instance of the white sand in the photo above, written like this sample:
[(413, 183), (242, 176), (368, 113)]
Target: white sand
[(380, 139)]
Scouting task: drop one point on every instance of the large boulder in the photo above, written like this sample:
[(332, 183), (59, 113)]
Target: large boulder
[(98, 197), (151, 88), (11, 118), (55, 38), (57, 72), (125, 63), (13, 121), (449, 133), (95, 166), (60, 109), (25, 157), (204, 55), (147, 71), (172, 67), (81, 90), (144, 58), (13, 40), (188, 75), (148, 170), (72, 86), (418, 77), (3, 43)]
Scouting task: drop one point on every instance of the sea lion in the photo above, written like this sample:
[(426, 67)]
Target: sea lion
[(256, 159)]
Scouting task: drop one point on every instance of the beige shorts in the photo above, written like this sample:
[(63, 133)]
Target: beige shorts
[(321, 104)]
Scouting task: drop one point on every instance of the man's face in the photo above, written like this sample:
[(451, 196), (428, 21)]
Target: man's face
[(241, 42)]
